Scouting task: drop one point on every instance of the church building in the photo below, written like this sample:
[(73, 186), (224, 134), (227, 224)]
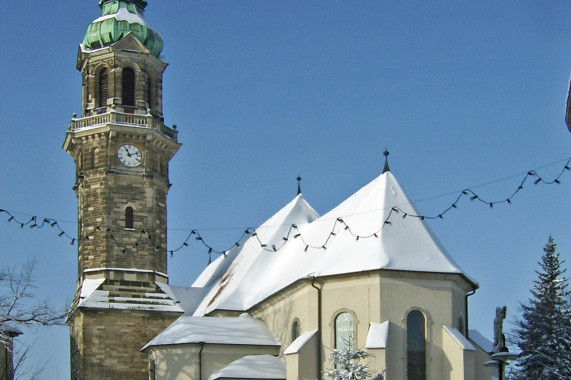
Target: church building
[(368, 274)]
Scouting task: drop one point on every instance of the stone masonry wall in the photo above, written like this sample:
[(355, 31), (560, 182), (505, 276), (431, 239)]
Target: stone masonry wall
[(105, 343)]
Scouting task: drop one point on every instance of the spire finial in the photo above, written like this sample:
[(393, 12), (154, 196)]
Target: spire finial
[(386, 168), (298, 185)]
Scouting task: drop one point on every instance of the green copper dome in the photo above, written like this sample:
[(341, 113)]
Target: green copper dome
[(119, 17)]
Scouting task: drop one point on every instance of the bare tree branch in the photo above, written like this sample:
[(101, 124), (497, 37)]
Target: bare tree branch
[(17, 302)]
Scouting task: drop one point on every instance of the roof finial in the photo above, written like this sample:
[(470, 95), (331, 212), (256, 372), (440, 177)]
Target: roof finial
[(298, 185), (386, 168)]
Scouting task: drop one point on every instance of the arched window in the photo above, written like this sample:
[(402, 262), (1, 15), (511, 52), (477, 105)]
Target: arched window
[(103, 88), (344, 331), (295, 330), (129, 217), (128, 87), (416, 346)]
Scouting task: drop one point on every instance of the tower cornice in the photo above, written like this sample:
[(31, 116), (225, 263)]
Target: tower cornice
[(121, 122)]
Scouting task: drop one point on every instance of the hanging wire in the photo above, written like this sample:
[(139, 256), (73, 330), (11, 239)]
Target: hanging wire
[(145, 238)]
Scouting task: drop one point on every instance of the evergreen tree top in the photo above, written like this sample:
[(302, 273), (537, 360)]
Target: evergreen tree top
[(543, 334)]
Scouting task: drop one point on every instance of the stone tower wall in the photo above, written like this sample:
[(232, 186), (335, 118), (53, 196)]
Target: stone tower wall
[(105, 344), (125, 260), (105, 190)]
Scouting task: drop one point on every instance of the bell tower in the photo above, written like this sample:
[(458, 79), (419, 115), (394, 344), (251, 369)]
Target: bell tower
[(122, 150)]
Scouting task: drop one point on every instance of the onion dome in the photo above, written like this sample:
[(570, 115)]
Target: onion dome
[(118, 18)]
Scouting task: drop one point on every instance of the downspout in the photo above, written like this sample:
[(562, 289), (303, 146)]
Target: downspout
[(200, 360), (319, 325), (467, 324), (6, 359)]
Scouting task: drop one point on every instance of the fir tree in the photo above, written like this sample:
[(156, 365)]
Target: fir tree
[(543, 334), (350, 364)]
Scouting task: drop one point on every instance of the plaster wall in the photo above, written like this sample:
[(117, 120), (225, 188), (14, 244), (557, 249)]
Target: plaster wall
[(458, 363), (302, 365), (376, 297)]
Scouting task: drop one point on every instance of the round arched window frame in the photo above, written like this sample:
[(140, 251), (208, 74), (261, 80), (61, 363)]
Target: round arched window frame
[(102, 87), (416, 345), (129, 218), (344, 329), (295, 329)]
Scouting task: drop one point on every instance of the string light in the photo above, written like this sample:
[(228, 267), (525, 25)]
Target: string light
[(33, 223)]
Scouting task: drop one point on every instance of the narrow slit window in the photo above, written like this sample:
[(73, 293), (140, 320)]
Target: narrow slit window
[(295, 329), (129, 217)]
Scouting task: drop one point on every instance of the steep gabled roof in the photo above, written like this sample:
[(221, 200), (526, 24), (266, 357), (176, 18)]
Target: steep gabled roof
[(229, 274), (353, 237), (406, 244)]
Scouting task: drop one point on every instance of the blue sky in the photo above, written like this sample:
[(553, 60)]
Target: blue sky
[(462, 94)]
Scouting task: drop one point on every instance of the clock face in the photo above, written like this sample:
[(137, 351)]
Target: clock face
[(129, 155)]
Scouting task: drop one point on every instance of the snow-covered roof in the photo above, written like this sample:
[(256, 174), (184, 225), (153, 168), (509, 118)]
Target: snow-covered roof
[(459, 338), (233, 279), (94, 295), (6, 329), (189, 297), (378, 335), (481, 341), (242, 330), (253, 367), (123, 14), (299, 342), (254, 271)]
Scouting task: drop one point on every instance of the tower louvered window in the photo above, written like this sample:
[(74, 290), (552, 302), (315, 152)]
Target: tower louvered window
[(103, 88), (150, 93), (128, 85)]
